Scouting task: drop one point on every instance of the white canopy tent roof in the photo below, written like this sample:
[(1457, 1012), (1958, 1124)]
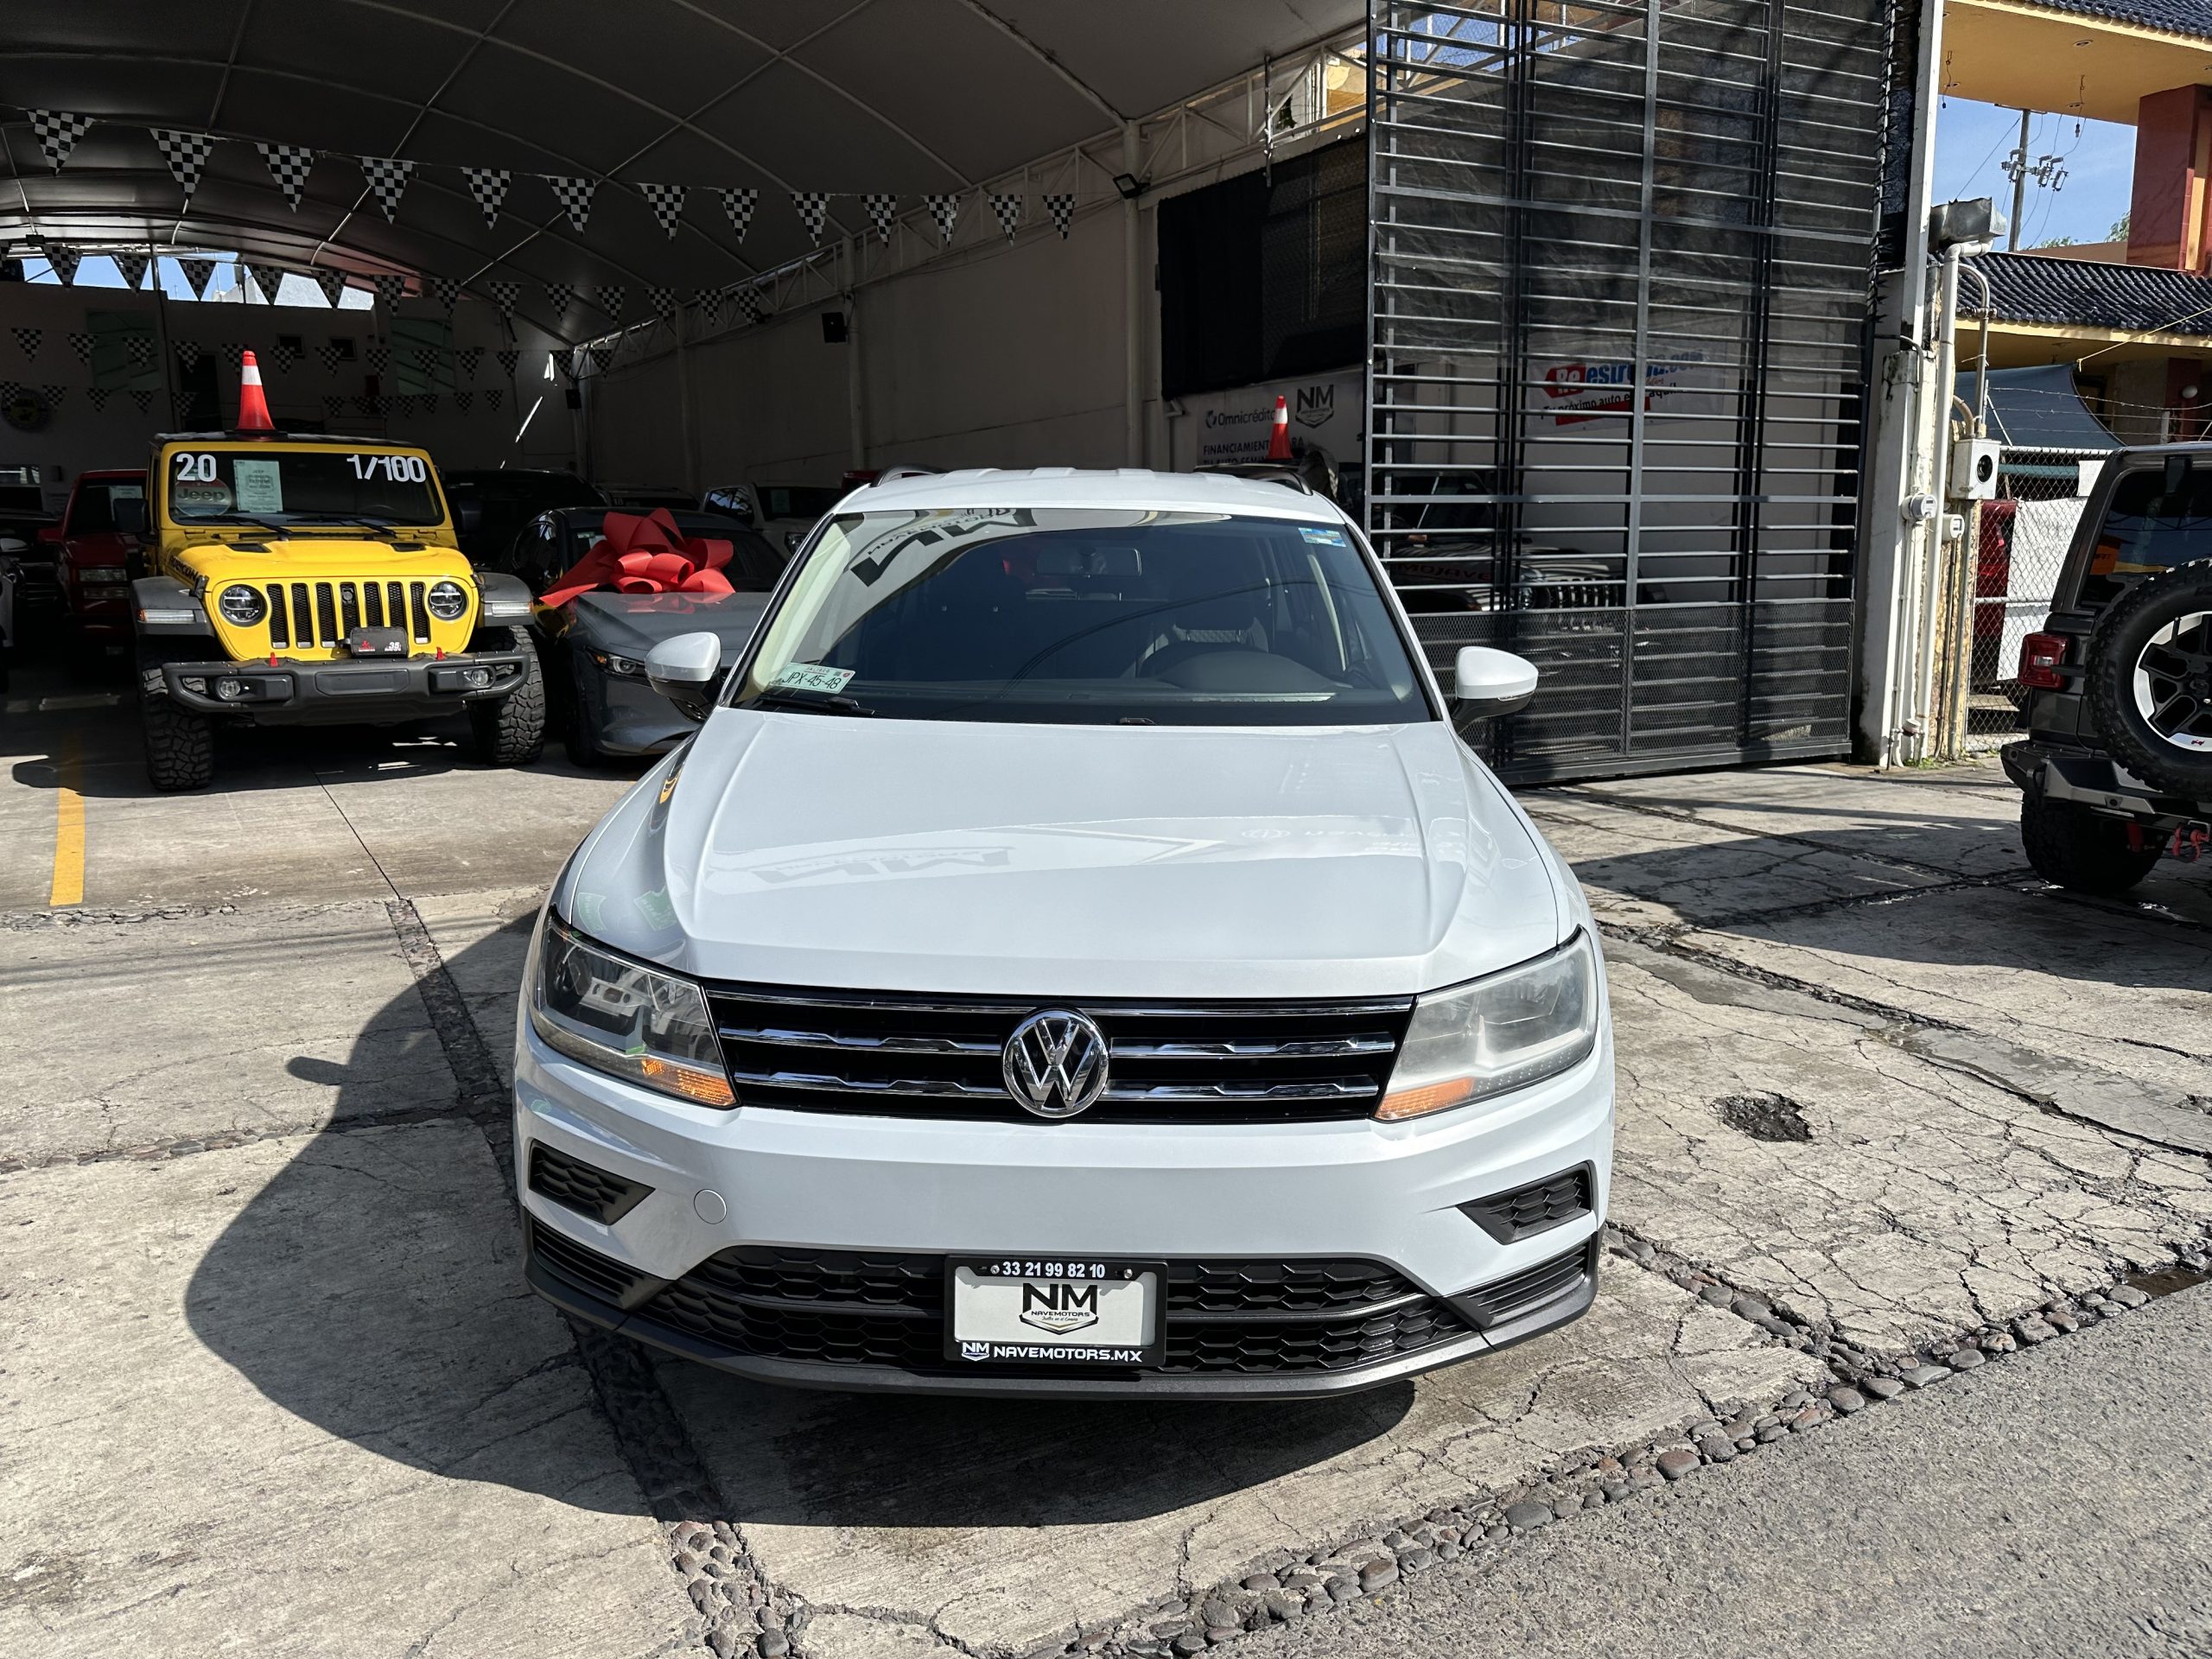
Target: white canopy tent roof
[(847, 97)]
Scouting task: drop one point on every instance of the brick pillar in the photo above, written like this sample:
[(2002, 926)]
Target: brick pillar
[(2173, 165)]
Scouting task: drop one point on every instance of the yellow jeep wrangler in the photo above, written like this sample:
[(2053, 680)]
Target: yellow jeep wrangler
[(295, 580)]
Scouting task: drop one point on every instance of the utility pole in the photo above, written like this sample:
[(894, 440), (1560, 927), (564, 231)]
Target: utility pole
[(2016, 169)]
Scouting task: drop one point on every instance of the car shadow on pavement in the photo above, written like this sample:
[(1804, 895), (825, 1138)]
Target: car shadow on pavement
[(373, 1288)]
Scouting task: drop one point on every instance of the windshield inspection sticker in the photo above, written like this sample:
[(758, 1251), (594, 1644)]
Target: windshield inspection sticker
[(813, 676), (1325, 538)]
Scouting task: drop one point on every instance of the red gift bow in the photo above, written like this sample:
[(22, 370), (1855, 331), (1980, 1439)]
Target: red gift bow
[(644, 553)]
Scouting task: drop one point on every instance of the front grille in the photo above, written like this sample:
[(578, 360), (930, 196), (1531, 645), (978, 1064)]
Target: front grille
[(1536, 1208), (586, 1268), (893, 1055), (583, 1187), (876, 1308), (312, 615)]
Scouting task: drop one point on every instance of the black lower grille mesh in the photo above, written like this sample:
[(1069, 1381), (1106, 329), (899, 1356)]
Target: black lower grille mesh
[(1536, 1208), (1530, 1288), (583, 1187), (601, 1275)]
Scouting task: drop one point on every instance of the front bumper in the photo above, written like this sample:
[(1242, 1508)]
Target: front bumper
[(850, 1219), (287, 692)]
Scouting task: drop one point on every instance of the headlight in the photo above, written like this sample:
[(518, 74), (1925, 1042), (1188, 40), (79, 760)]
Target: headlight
[(1499, 1033), (628, 667), (96, 575), (449, 600), (242, 605), (627, 1020)]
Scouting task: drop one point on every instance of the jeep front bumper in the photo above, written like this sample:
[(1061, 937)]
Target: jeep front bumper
[(283, 691)]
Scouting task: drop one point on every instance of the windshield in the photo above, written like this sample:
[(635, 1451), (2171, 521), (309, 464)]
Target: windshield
[(2148, 528), (92, 513), (1090, 616), (307, 487)]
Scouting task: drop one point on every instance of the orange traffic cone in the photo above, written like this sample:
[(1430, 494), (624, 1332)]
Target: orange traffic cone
[(253, 407), (1279, 440)]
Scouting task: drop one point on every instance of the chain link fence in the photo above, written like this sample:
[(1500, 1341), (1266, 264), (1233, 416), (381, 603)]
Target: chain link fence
[(2022, 539)]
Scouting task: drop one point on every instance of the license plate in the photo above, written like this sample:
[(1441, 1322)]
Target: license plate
[(1049, 1310), (378, 642)]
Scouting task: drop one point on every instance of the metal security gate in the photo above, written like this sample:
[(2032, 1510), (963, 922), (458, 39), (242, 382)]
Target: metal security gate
[(1619, 292)]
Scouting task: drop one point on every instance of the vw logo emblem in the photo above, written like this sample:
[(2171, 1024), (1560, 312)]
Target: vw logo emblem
[(1055, 1064)]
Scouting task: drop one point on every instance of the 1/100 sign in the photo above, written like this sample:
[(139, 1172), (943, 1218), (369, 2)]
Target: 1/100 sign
[(397, 469)]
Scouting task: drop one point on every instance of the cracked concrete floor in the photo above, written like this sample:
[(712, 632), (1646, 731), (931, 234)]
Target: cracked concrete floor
[(283, 1392)]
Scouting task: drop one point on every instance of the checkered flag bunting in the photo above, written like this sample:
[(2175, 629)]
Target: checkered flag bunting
[(748, 303), (882, 212), (233, 352), (131, 267), (141, 347), (426, 361), (333, 358), (739, 205), (945, 209), (710, 301), (1061, 205), (602, 354), (57, 132), (489, 186), (198, 273), (609, 297), (575, 196), (504, 293), (446, 291), (332, 283), (508, 357), (1008, 210), (288, 164), (144, 397), (813, 209), (97, 396), (667, 202), (388, 181), (187, 154), (267, 278), (27, 341), (284, 357), (493, 398), (560, 296), (379, 356), (187, 352), (465, 361), (662, 301), (81, 343), (54, 392), (391, 287), (64, 261), (11, 389), (334, 404), (461, 400)]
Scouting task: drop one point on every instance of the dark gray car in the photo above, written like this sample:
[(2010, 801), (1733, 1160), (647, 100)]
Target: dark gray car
[(594, 645)]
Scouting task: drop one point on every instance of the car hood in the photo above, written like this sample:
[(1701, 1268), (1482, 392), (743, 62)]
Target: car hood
[(101, 547), (630, 625), (1068, 861)]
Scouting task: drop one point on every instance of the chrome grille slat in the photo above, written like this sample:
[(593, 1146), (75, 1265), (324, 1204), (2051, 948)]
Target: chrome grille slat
[(891, 1054)]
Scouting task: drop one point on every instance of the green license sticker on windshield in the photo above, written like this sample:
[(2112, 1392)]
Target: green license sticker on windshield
[(813, 676)]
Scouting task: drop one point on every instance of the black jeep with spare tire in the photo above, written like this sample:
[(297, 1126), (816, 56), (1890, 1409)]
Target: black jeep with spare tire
[(2116, 770)]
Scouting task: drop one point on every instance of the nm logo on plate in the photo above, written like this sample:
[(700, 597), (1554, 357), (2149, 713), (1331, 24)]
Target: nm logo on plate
[(1059, 1306), (1055, 1064)]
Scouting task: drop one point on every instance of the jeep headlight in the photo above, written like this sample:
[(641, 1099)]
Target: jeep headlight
[(1497, 1034), (242, 605), (625, 1019), (449, 600)]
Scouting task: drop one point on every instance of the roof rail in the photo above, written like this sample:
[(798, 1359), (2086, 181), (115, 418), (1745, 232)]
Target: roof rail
[(891, 474)]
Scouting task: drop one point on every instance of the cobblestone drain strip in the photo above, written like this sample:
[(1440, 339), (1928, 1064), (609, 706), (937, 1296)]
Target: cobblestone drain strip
[(735, 1608), (37, 921), (1289, 1585)]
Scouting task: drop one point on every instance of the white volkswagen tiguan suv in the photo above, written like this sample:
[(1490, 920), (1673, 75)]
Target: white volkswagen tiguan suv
[(1076, 955)]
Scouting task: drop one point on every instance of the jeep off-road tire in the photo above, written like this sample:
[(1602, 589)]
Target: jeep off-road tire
[(2167, 744), (511, 732), (179, 744), (580, 735), (2083, 851)]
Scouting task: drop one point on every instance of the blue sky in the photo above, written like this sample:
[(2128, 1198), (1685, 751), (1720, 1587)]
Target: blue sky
[(1972, 141)]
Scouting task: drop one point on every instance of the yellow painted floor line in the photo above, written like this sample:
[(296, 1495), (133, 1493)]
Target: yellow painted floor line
[(69, 826)]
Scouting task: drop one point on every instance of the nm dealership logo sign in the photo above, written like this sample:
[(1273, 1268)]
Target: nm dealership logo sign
[(1059, 1307)]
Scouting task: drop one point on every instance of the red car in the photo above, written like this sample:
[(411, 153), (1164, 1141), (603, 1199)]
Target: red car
[(93, 560)]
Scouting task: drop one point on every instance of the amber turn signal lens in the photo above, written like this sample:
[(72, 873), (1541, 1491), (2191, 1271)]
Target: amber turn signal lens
[(1429, 1097), (693, 1084)]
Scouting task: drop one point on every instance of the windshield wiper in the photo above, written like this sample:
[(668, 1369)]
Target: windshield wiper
[(784, 696)]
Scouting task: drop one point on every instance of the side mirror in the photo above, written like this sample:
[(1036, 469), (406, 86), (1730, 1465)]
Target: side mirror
[(130, 516), (687, 670), (468, 517), (1487, 683)]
